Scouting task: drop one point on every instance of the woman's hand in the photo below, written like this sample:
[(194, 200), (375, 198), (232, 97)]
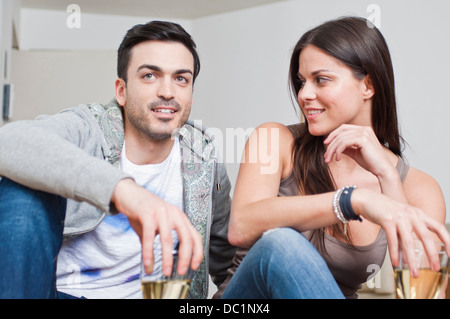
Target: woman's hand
[(402, 223), (362, 145)]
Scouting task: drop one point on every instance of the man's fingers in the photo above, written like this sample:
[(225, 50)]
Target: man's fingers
[(165, 233), (197, 256), (185, 249), (148, 237)]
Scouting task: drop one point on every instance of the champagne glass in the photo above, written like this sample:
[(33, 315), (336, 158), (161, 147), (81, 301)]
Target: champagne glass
[(429, 283), (174, 286)]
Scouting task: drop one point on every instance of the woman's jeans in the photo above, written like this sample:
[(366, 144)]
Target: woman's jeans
[(282, 264), (31, 235)]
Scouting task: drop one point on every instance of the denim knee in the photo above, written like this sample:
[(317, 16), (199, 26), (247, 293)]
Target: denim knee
[(280, 236), (285, 239), (25, 212), (31, 233), (289, 244), (284, 264)]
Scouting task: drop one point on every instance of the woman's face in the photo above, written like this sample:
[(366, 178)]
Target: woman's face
[(330, 94)]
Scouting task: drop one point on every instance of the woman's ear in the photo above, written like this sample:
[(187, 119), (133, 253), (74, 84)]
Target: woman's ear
[(120, 91), (367, 87)]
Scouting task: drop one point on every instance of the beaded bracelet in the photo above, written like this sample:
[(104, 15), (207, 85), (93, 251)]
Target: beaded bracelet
[(337, 206)]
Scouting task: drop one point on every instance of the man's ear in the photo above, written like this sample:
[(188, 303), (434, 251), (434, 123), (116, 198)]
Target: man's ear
[(120, 90), (367, 87)]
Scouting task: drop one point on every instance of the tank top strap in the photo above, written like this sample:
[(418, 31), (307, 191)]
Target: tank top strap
[(402, 169)]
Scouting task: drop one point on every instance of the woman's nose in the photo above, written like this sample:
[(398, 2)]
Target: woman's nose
[(306, 93)]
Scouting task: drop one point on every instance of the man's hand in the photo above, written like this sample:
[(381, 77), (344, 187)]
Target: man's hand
[(149, 215)]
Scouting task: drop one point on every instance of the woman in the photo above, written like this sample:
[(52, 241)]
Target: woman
[(341, 74)]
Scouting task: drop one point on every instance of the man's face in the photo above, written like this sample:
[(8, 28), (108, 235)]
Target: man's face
[(157, 97)]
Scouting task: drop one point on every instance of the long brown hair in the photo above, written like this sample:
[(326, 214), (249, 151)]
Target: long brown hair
[(361, 47)]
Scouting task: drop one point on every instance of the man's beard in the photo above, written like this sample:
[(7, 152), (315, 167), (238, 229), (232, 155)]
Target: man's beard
[(136, 117)]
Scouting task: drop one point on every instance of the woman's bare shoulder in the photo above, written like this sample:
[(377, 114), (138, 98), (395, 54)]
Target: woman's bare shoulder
[(279, 140), (272, 130), (423, 190), (417, 179)]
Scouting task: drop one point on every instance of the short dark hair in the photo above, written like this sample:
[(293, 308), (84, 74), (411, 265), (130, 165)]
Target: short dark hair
[(154, 31)]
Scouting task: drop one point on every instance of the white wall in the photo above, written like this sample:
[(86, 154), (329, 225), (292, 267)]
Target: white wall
[(57, 30), (5, 48), (48, 81), (2, 43), (9, 23), (244, 55), (58, 66)]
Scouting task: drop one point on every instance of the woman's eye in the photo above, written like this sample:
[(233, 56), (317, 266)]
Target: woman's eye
[(322, 80)]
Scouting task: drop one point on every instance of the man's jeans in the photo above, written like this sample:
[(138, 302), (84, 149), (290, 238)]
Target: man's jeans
[(282, 264), (31, 235)]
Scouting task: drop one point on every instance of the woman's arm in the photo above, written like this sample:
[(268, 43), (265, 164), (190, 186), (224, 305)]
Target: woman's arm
[(419, 189), (256, 206)]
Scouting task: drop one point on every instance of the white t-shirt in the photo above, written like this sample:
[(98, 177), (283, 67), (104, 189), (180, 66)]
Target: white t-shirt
[(105, 263)]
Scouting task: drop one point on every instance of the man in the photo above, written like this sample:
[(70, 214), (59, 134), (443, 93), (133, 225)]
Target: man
[(76, 181)]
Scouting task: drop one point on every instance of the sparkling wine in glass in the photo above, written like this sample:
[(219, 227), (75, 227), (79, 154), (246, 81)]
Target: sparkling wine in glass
[(158, 286), (429, 283)]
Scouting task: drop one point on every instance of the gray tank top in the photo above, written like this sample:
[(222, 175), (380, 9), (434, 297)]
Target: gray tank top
[(350, 266)]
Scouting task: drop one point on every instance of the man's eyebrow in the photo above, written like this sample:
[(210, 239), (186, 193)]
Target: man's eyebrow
[(158, 69), (150, 67), (181, 71)]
